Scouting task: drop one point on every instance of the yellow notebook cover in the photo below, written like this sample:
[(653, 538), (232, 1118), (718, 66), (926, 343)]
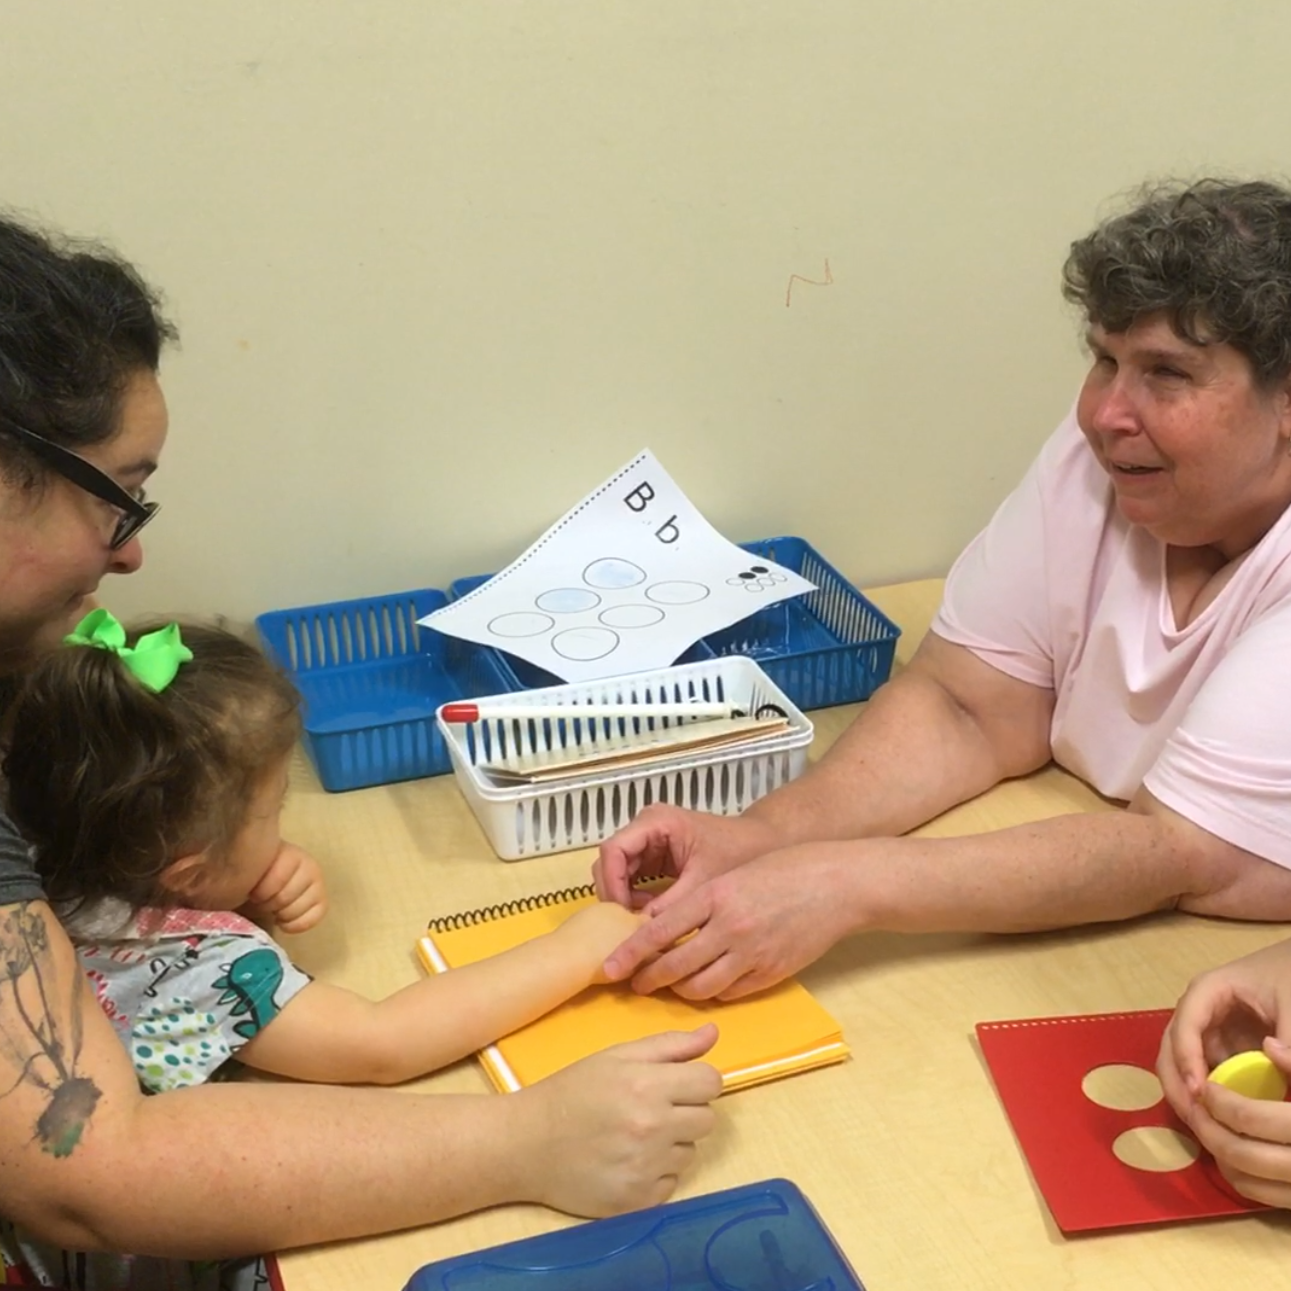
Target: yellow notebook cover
[(775, 1033)]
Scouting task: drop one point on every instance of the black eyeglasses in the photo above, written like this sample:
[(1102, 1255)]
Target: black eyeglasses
[(135, 509)]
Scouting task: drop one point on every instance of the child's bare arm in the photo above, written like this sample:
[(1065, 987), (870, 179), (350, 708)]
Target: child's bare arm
[(326, 1033)]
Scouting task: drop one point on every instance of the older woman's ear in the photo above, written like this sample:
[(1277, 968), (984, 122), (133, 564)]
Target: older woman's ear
[(1284, 398)]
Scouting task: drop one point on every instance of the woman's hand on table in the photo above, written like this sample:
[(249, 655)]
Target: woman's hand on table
[(751, 929), (673, 843), (615, 1131), (1242, 1006)]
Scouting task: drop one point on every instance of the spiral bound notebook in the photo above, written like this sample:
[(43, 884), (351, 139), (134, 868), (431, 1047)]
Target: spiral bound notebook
[(776, 1033)]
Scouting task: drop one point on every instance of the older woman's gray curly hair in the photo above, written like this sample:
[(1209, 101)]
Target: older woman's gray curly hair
[(1213, 256)]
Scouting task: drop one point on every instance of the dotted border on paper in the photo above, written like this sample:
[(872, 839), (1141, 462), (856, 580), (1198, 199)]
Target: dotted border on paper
[(555, 529)]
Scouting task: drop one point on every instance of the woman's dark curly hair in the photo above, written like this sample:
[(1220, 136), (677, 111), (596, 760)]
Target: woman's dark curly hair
[(1213, 256), (76, 323), (110, 782)]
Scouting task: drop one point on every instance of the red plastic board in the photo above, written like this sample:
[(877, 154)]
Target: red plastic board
[(1038, 1065)]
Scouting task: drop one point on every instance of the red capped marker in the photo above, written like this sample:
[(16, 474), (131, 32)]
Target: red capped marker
[(463, 712)]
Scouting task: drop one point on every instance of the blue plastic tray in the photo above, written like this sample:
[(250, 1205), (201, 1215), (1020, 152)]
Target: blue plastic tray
[(761, 1237), (371, 680), (831, 646)]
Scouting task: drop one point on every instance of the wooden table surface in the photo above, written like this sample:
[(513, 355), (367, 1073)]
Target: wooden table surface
[(904, 1149)]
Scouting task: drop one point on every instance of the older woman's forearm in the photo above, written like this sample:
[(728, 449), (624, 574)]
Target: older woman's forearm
[(1070, 870), (944, 730)]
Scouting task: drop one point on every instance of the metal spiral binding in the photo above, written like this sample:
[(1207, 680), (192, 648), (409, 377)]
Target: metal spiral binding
[(469, 918)]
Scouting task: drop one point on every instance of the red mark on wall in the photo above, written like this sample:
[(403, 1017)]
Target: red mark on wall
[(827, 281)]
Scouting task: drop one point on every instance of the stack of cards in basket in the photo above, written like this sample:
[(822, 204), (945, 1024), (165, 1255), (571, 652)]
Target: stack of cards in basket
[(565, 766)]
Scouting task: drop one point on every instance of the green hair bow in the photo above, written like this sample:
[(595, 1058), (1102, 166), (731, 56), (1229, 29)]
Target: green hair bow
[(154, 659)]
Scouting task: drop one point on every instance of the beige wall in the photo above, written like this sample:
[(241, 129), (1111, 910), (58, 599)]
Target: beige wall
[(440, 267)]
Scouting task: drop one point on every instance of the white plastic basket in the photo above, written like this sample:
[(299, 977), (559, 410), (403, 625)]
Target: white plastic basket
[(533, 820)]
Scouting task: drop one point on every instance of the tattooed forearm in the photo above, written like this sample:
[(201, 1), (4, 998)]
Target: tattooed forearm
[(42, 1044)]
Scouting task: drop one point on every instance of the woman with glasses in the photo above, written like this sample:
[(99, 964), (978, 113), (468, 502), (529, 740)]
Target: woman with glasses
[(86, 1161)]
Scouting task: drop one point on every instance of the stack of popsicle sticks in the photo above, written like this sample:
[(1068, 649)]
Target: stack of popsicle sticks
[(626, 736)]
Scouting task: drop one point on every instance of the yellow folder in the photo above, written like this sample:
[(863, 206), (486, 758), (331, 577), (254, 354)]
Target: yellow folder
[(775, 1033)]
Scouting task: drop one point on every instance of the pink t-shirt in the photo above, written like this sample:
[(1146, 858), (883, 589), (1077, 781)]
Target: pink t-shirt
[(1062, 592)]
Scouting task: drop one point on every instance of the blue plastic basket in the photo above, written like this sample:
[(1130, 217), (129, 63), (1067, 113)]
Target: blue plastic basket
[(831, 646), (371, 680)]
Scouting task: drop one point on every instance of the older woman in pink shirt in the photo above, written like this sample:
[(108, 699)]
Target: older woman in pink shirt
[(1126, 613)]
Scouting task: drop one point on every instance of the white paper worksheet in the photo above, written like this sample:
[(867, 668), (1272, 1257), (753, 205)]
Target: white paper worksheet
[(624, 582)]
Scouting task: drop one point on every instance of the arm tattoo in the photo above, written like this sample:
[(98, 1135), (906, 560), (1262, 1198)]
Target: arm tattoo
[(40, 1045)]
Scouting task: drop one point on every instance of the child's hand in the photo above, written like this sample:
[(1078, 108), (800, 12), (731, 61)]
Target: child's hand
[(598, 929), (292, 893)]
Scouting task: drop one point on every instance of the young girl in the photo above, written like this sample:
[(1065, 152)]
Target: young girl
[(149, 775)]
